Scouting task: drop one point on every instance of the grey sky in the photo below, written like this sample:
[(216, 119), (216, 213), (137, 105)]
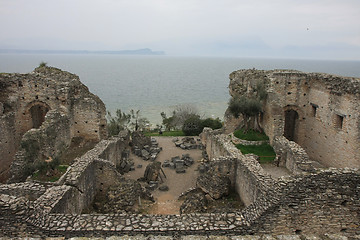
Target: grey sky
[(326, 29)]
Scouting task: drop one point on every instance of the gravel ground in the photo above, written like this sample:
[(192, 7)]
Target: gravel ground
[(167, 202)]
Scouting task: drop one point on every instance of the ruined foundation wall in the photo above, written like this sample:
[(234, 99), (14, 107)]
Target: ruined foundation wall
[(326, 201), (325, 111), (250, 180), (91, 174), (292, 156)]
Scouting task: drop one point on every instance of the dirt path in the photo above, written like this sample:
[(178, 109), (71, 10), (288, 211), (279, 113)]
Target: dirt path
[(167, 202)]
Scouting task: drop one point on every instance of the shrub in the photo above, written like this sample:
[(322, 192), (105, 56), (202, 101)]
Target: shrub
[(43, 64), (212, 123), (192, 126)]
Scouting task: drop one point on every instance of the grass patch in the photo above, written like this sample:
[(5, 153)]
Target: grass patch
[(264, 151), (166, 134), (251, 135)]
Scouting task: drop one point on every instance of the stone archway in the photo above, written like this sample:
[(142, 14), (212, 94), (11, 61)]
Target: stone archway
[(37, 111), (291, 124)]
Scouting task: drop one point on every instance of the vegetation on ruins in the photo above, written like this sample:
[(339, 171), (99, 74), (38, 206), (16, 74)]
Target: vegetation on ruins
[(43, 64), (249, 107), (264, 151), (47, 171), (125, 121)]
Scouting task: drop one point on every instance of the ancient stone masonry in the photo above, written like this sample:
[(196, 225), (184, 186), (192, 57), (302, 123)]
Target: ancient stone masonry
[(320, 112), (325, 201), (55, 106), (292, 156), (320, 201)]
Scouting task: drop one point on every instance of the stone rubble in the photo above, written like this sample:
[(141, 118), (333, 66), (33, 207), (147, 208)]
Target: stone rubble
[(187, 143)]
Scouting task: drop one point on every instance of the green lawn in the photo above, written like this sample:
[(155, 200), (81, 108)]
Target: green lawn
[(264, 151), (251, 135), (166, 134)]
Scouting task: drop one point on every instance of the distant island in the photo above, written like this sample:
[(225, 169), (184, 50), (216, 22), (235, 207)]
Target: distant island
[(144, 51)]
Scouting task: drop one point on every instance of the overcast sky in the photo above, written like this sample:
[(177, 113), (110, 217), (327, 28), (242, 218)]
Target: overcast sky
[(323, 29)]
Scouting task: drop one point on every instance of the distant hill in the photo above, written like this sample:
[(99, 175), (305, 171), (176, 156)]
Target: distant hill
[(144, 51)]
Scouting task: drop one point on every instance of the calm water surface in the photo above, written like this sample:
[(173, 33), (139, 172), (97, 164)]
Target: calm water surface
[(158, 83)]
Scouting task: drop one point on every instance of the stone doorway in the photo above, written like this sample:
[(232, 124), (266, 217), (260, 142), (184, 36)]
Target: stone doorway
[(38, 112), (291, 123)]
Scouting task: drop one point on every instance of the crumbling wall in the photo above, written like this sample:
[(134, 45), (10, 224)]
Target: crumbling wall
[(26, 99), (249, 178), (90, 174), (292, 156), (45, 143), (318, 111), (326, 201), (28, 190)]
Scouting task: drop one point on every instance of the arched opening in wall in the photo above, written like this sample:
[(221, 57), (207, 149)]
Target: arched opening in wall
[(38, 112), (291, 122)]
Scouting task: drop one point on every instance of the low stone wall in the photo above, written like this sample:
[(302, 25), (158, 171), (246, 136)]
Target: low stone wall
[(325, 201), (236, 140), (292, 156), (90, 174), (250, 180), (29, 190), (328, 200)]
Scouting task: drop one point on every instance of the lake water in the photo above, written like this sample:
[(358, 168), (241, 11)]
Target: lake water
[(159, 83)]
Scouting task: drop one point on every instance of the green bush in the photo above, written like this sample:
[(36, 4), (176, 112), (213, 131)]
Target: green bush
[(192, 126), (212, 123)]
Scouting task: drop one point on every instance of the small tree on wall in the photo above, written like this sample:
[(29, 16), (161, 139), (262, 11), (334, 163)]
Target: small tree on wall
[(249, 107)]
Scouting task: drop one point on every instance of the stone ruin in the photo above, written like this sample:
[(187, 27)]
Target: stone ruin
[(179, 164), (319, 112), (145, 147), (312, 201), (187, 143), (40, 113)]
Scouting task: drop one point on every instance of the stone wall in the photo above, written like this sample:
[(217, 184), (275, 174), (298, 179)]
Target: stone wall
[(47, 142), (27, 99), (28, 190), (249, 178), (326, 201), (292, 156), (320, 112)]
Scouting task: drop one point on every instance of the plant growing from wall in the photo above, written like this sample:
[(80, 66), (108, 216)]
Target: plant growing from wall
[(43, 64)]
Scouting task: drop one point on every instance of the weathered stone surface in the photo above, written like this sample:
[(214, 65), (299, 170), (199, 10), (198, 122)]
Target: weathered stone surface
[(216, 186), (325, 111), (121, 198), (153, 172), (52, 107), (195, 202)]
